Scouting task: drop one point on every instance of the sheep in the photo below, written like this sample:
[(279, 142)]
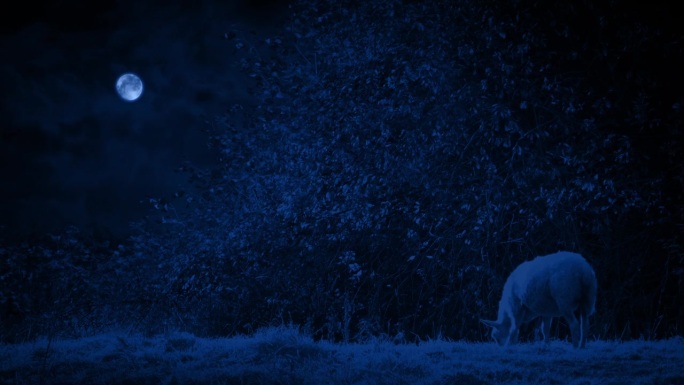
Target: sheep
[(555, 285)]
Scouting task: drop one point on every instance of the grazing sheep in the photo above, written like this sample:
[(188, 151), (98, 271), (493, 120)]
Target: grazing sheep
[(555, 285)]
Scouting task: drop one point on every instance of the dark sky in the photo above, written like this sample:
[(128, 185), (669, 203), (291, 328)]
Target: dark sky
[(73, 152)]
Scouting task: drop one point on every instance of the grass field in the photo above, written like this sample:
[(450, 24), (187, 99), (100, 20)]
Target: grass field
[(285, 356)]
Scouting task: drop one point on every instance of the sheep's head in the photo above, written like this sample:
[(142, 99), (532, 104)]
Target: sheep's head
[(500, 332)]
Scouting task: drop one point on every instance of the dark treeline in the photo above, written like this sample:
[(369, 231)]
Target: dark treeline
[(404, 157)]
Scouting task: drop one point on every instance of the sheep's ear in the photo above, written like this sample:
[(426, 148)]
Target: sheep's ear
[(492, 324)]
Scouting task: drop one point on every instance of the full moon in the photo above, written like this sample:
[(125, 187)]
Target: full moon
[(129, 86)]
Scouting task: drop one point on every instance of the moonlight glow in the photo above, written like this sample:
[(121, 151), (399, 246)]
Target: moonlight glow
[(129, 86)]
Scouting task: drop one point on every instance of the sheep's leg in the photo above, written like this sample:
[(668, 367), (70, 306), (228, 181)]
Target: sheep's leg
[(546, 328), (513, 336), (574, 327), (585, 329)]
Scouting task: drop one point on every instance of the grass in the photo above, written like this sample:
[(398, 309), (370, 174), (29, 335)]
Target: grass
[(286, 356)]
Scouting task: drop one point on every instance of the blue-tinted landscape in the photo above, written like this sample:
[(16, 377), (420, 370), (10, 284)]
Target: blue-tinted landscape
[(337, 192)]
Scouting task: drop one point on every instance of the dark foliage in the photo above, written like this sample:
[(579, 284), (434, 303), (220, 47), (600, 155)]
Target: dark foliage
[(404, 158)]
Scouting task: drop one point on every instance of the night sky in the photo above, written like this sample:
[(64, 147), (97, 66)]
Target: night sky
[(72, 151)]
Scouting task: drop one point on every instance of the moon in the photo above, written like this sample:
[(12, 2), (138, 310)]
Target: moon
[(129, 86)]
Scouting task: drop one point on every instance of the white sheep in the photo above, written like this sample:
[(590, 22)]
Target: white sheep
[(555, 285)]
